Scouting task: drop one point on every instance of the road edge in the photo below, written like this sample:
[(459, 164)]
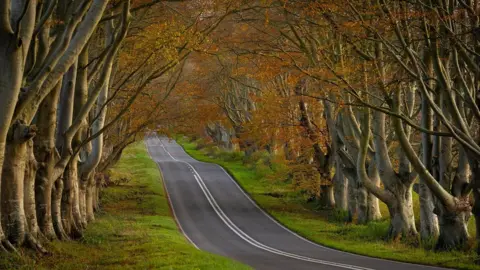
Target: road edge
[(270, 216), (169, 201)]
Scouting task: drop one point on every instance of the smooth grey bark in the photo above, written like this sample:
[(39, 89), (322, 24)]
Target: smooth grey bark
[(32, 228), (340, 184), (363, 204), (27, 108), (81, 96), (16, 39), (56, 209), (94, 157), (87, 169), (10, 82), (452, 224), (397, 193), (352, 199), (428, 220), (70, 174), (220, 135), (373, 204), (69, 202), (13, 185), (44, 142), (46, 155)]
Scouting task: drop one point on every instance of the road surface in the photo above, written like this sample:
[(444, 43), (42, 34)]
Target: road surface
[(216, 215)]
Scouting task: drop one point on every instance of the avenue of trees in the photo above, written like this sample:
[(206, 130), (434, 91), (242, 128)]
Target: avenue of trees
[(79, 81), (365, 102), (361, 102)]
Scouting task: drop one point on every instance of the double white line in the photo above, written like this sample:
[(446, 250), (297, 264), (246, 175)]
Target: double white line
[(245, 236)]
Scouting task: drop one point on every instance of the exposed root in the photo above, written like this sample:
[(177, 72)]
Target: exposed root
[(8, 246), (32, 243), (63, 236), (3, 249), (60, 233), (76, 232)]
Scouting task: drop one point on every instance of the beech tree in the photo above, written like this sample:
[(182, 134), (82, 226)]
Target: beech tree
[(362, 103), (65, 63), (372, 78)]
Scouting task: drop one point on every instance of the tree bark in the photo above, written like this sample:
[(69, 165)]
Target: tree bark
[(341, 189), (70, 178), (32, 229), (57, 209), (89, 198), (45, 153), (13, 51), (453, 224), (70, 175), (13, 185), (428, 220), (402, 219), (372, 201)]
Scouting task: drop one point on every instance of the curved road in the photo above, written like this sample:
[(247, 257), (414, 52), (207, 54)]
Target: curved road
[(216, 215)]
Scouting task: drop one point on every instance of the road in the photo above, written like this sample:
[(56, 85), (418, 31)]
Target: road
[(216, 215)]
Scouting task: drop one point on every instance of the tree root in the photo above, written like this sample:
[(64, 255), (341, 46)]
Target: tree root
[(62, 236), (76, 232), (32, 243), (7, 246), (60, 233)]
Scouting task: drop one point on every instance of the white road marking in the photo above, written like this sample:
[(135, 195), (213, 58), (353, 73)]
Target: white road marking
[(170, 201), (245, 236)]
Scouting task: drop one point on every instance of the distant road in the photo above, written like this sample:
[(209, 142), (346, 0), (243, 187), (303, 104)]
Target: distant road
[(217, 216)]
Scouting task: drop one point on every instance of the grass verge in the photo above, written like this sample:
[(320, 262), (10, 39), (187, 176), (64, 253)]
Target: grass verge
[(135, 229), (322, 226)]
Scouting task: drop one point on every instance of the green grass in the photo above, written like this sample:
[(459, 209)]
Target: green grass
[(135, 230), (323, 226)]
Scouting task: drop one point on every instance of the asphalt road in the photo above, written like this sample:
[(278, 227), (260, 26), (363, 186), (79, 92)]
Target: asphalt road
[(216, 215)]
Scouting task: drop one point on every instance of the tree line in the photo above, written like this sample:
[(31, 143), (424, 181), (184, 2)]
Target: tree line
[(79, 81), (362, 101), (366, 101)]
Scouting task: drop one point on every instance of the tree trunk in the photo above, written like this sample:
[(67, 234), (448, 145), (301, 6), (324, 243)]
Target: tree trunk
[(402, 219), (83, 200), (15, 44), (77, 215), (43, 196), (475, 167), (46, 155), (327, 197), (453, 231), (96, 195), (13, 185), (89, 200), (341, 190), (362, 204), (352, 199), (57, 209), (397, 194), (428, 220), (70, 178), (372, 200), (453, 224), (32, 229)]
